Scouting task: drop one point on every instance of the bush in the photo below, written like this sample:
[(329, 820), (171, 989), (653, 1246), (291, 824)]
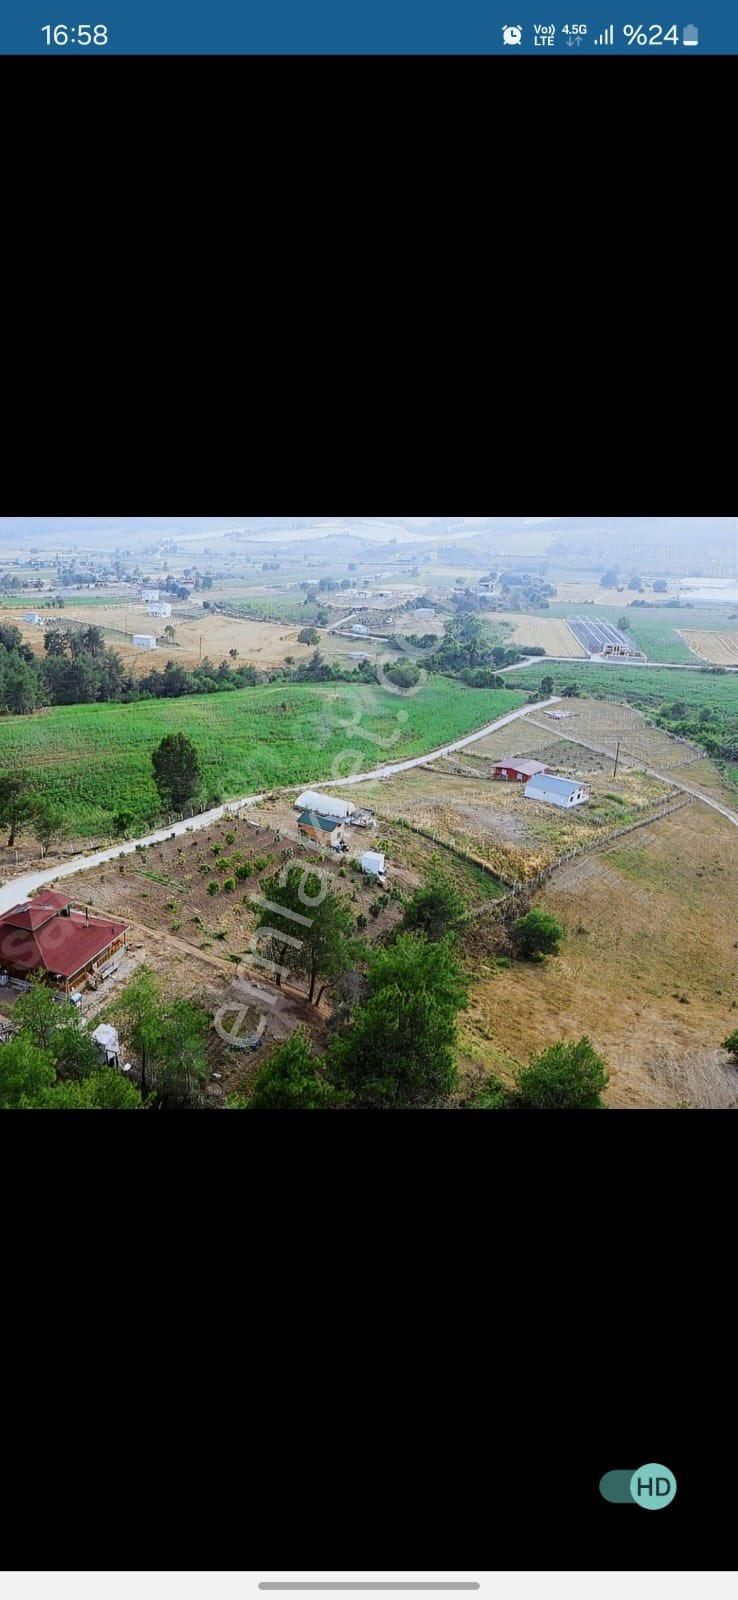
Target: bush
[(731, 1045), (538, 934), (567, 1077), (229, 886), (213, 887), (244, 871)]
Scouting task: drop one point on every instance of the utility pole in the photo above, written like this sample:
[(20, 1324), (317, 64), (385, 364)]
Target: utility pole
[(201, 647), (617, 758)]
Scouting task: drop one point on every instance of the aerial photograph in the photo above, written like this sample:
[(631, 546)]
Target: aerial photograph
[(348, 814)]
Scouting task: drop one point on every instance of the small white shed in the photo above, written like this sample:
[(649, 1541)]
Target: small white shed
[(145, 641), (372, 862), (149, 594), (159, 608), (34, 618), (108, 1043)]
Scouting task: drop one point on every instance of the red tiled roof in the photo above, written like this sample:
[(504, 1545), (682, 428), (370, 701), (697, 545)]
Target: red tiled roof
[(62, 945), (34, 913)]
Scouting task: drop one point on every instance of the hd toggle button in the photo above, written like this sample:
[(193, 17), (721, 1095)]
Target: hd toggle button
[(652, 1486)]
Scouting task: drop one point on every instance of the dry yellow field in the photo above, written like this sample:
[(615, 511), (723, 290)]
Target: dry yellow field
[(551, 633), (647, 969), (720, 649), (266, 644)]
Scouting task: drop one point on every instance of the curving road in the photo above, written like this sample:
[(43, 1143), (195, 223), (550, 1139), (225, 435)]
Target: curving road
[(18, 889)]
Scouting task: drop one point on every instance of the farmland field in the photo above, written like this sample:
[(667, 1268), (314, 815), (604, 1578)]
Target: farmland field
[(283, 607), (605, 723), (264, 644), (648, 969), (495, 823), (656, 630), (641, 685), (96, 759), (721, 649), (551, 633)]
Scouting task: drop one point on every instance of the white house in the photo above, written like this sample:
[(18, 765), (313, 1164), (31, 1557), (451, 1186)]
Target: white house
[(324, 805), (145, 641), (149, 594), (159, 608), (565, 792), (34, 618)]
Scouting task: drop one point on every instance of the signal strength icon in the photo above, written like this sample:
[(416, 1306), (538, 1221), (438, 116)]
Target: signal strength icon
[(607, 36)]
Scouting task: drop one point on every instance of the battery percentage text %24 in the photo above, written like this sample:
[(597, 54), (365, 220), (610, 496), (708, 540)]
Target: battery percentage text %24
[(651, 34)]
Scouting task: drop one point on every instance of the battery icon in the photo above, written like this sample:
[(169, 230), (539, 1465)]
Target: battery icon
[(690, 35)]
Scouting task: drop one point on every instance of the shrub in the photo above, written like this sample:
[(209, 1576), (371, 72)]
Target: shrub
[(229, 886), (731, 1045), (567, 1077), (538, 934), (213, 887), (244, 871)]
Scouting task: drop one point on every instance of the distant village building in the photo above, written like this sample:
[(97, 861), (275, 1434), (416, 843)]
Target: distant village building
[(34, 618), (564, 792), (159, 608), (145, 641), (424, 613), (325, 805), (359, 629), (358, 655), (513, 771), (150, 594), (47, 938)]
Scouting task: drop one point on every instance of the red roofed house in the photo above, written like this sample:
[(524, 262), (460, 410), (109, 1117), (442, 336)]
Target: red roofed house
[(47, 937), (517, 771)]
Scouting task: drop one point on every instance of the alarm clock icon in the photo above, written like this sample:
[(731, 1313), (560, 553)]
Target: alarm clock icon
[(511, 33)]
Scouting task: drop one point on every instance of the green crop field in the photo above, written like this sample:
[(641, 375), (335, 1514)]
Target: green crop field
[(639, 685), (96, 760)]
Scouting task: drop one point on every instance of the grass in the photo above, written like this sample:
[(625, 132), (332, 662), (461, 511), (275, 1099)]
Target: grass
[(96, 760)]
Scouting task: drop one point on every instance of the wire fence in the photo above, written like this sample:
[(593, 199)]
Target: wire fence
[(520, 889)]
